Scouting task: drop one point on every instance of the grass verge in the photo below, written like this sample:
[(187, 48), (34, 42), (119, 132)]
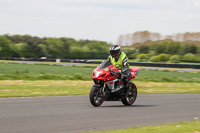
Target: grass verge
[(14, 71), (181, 127), (26, 88)]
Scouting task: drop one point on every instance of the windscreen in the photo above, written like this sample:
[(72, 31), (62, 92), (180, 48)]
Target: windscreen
[(104, 64)]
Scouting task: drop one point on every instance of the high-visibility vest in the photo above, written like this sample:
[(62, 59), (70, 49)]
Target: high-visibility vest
[(119, 62)]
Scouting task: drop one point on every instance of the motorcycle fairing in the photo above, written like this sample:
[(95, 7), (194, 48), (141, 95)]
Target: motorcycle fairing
[(104, 73)]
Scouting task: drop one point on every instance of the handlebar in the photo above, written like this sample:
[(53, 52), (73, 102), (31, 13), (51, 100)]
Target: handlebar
[(115, 72)]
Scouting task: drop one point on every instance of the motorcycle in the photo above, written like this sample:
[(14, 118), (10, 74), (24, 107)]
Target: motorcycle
[(108, 85)]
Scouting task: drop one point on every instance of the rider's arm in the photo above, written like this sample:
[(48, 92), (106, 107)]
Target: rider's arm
[(108, 59), (125, 70)]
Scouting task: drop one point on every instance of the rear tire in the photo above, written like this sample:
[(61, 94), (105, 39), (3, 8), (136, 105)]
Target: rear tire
[(130, 99), (96, 100)]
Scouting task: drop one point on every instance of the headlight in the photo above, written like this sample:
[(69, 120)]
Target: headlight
[(97, 73)]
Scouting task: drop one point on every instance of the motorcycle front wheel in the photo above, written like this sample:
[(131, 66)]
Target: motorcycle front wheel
[(130, 99), (96, 96)]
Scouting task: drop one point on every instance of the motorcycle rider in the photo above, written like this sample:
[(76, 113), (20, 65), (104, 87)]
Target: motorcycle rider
[(119, 60)]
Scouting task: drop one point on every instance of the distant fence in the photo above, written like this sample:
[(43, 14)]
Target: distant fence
[(146, 64)]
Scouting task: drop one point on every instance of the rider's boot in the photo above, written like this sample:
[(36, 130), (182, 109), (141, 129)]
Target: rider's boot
[(127, 87)]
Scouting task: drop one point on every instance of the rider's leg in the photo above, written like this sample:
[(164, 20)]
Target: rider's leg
[(126, 84)]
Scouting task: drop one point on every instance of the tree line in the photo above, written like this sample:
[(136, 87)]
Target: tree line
[(28, 46), (151, 50), (143, 36), (166, 50)]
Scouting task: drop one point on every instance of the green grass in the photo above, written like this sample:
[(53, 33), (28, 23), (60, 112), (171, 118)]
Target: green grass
[(15, 71), (50, 80), (181, 127), (26, 88), (168, 76)]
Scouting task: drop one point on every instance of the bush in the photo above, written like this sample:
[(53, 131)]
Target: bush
[(160, 58), (174, 59), (154, 59), (163, 57), (132, 56), (142, 57), (188, 57)]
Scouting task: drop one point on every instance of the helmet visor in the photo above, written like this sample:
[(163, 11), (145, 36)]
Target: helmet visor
[(114, 53)]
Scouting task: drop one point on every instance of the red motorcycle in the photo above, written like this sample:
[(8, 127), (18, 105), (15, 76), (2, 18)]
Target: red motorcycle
[(108, 86)]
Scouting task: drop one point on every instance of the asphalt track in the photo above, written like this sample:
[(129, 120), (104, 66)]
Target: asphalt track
[(74, 114)]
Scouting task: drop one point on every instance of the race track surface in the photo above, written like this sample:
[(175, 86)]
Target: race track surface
[(74, 114)]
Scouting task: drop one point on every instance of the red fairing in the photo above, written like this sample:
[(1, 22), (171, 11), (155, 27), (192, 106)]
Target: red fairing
[(104, 74), (133, 70)]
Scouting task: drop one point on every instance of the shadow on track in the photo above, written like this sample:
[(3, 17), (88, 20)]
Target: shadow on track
[(130, 106)]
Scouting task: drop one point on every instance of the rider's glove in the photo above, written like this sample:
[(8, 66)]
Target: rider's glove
[(123, 76), (118, 72)]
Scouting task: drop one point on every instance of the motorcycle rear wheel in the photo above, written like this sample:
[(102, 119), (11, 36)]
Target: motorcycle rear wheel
[(96, 98), (130, 99)]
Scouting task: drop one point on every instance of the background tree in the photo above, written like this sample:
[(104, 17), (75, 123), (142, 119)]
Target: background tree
[(148, 43), (5, 47), (56, 48), (22, 50)]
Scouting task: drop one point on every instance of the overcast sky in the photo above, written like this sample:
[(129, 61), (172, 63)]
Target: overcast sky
[(101, 20)]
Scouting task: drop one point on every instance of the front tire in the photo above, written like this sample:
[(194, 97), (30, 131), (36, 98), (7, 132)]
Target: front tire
[(96, 98), (130, 99)]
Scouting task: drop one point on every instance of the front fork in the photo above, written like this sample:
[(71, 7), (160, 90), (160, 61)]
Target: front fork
[(100, 90)]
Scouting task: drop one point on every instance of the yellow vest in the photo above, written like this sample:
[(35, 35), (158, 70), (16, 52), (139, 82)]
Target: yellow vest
[(118, 64)]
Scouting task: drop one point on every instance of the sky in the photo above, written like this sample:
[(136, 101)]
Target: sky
[(103, 20)]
